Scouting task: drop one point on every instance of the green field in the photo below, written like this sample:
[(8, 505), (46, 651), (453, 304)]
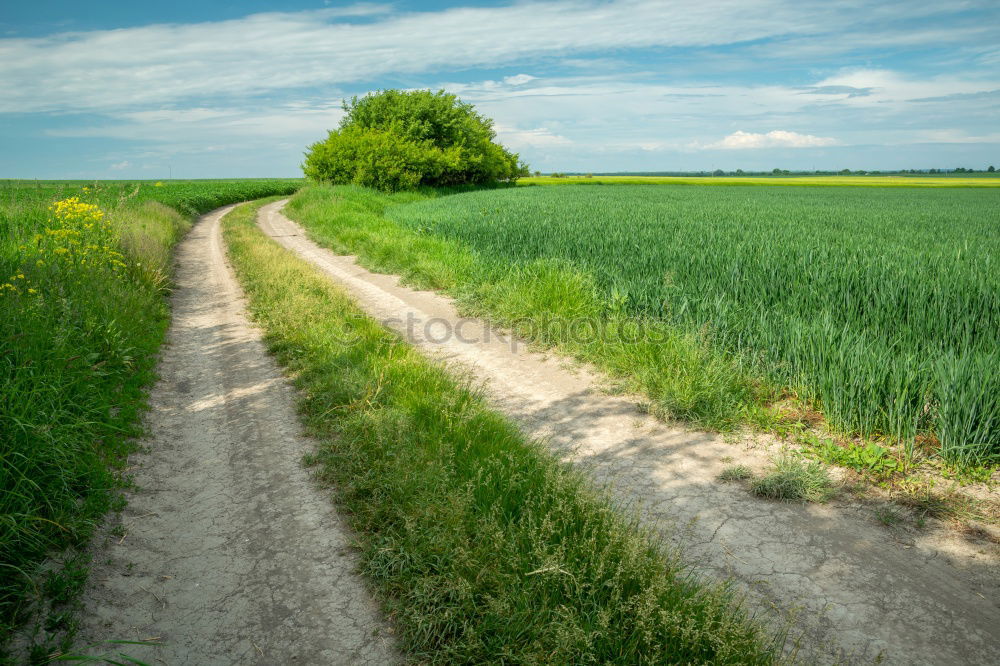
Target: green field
[(877, 306), (913, 180), (883, 305), (82, 315)]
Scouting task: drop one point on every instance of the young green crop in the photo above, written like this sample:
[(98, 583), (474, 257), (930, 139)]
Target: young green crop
[(881, 304)]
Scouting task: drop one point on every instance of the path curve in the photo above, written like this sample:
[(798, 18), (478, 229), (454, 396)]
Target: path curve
[(231, 555), (859, 592)]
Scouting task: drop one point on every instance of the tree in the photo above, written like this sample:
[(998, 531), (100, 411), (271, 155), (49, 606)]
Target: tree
[(991, 169), (395, 140)]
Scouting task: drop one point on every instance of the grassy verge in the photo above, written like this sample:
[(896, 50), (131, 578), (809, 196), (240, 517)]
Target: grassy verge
[(481, 546), (82, 315), (683, 373), (544, 301)]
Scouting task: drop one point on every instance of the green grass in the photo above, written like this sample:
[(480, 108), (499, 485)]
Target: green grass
[(794, 480), (736, 473), (189, 197), (542, 300), (481, 546), (879, 306), (76, 359)]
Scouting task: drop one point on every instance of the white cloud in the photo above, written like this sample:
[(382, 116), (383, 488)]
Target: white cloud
[(580, 117), (883, 86), (740, 140), (518, 79), (289, 122), (118, 166), (539, 137), (160, 64), (957, 136)]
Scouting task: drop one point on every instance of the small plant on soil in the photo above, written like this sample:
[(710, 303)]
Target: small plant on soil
[(888, 516), (793, 479), (735, 473)]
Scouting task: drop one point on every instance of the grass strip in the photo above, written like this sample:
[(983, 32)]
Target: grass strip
[(546, 301), (482, 547)]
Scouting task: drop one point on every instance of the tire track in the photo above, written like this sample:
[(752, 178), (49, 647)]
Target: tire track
[(229, 554)]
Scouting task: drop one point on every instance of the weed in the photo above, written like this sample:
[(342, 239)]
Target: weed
[(888, 516), (868, 458), (794, 479), (736, 473), (924, 498)]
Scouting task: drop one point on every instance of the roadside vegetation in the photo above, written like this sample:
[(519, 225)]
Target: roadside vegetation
[(481, 546), (793, 479), (858, 324), (84, 271)]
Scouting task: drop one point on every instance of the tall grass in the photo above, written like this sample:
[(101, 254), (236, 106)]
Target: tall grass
[(483, 547), (78, 341), (880, 305)]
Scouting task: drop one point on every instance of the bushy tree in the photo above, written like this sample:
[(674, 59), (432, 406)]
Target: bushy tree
[(395, 140)]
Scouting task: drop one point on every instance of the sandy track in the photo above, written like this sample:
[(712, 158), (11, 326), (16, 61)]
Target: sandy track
[(231, 555), (858, 590)]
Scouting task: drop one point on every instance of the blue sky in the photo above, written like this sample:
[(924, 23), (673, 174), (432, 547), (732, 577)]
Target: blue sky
[(239, 89)]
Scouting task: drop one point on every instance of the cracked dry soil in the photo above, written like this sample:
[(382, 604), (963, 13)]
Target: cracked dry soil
[(857, 592), (230, 554)]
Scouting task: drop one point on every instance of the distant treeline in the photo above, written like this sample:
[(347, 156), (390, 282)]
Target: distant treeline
[(779, 172)]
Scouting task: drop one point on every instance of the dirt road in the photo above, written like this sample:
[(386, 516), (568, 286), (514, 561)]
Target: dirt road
[(857, 589), (230, 554)]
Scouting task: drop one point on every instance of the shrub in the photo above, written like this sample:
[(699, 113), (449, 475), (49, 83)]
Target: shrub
[(395, 140)]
